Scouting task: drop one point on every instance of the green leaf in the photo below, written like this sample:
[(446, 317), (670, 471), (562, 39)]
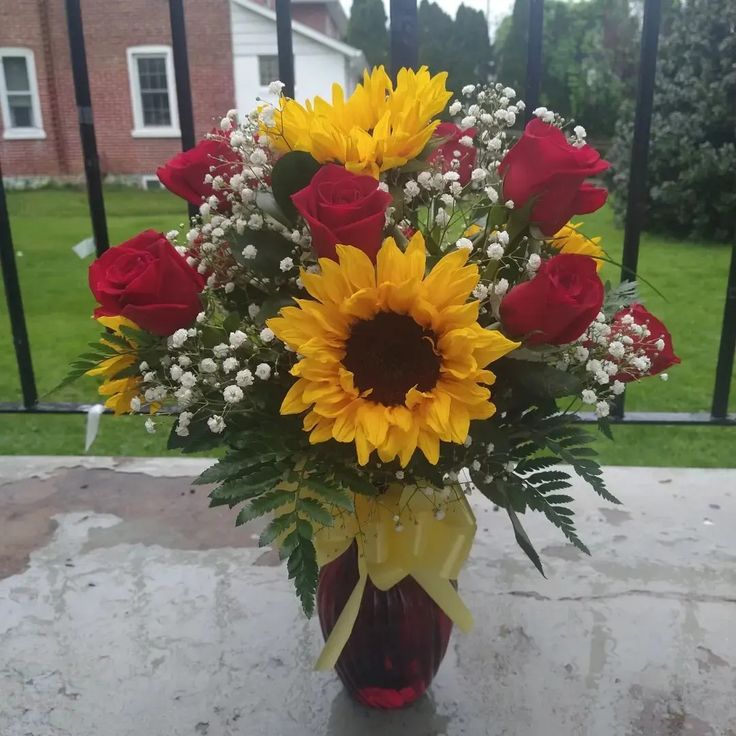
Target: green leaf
[(272, 305), (272, 248), (277, 526), (292, 172), (263, 504), (248, 486), (302, 568), (351, 480), (312, 508), (537, 380), (331, 494), (524, 542)]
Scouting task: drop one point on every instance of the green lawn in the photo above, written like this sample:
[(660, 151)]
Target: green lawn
[(47, 223)]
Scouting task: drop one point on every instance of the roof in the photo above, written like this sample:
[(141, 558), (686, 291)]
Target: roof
[(334, 8), (355, 55)]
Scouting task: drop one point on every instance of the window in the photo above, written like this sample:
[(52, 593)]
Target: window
[(150, 182), (153, 92), (19, 101), (268, 70)]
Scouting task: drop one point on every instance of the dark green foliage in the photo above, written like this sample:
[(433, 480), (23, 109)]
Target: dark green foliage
[(589, 58), (460, 47), (523, 471), (692, 157), (367, 30), (291, 173)]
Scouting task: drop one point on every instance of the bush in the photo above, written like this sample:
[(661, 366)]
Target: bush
[(692, 157)]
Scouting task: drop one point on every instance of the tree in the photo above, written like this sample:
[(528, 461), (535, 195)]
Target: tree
[(367, 30), (460, 47), (589, 58), (692, 156)]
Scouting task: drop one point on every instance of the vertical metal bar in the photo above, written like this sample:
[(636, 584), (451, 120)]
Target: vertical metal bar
[(724, 367), (534, 57), (182, 79), (87, 125), (285, 45), (15, 306), (404, 35), (637, 191)]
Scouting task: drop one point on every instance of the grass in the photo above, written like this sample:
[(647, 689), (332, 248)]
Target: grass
[(47, 223)]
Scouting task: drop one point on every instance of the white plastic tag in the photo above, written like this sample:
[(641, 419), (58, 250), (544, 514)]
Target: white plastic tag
[(84, 247), (93, 424)]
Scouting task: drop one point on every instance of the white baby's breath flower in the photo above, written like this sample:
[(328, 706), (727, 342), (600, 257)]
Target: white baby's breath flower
[(207, 365), (478, 175), (188, 380), (220, 351), (464, 243), (176, 372), (184, 361), (179, 338), (468, 90), (150, 426), (216, 424), (237, 338), (232, 394), (135, 404), (230, 364), (267, 335), (501, 287), (244, 378), (589, 397), (534, 262), (466, 141), (286, 264), (250, 252), (602, 409), (618, 388), (275, 87), (455, 107), (495, 251), (263, 371)]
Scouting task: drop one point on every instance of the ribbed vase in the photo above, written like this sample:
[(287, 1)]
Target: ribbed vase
[(399, 639)]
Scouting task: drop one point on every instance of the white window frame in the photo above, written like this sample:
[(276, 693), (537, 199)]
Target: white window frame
[(140, 130), (28, 133)]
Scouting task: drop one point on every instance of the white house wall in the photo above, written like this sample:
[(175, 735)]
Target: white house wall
[(316, 66)]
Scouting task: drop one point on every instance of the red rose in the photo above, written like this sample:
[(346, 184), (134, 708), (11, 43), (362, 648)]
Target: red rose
[(343, 208), (453, 149), (184, 174), (558, 304), (644, 345), (147, 281), (542, 164)]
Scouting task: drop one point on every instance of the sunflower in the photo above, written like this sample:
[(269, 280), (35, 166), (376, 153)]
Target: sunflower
[(570, 240), (390, 360), (121, 391), (379, 127)]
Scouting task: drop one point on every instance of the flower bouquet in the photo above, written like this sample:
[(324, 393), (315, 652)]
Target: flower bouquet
[(373, 314)]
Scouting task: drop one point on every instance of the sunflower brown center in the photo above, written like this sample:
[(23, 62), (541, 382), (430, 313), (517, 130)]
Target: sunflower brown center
[(390, 354)]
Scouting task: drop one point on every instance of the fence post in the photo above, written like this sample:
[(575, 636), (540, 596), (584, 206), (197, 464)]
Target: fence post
[(637, 190), (183, 80), (404, 35), (534, 58), (285, 46), (15, 306), (724, 367), (87, 126)]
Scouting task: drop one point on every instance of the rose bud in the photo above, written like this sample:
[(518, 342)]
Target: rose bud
[(148, 282), (544, 166), (343, 208), (557, 305)]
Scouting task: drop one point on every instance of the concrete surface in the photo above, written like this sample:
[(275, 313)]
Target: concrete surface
[(127, 608)]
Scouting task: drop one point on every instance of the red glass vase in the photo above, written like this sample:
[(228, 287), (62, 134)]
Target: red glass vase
[(399, 639)]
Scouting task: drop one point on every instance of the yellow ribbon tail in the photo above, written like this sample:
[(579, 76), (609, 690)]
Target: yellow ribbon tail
[(444, 594), (340, 634)]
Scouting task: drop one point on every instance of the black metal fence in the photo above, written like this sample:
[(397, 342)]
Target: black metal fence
[(404, 52)]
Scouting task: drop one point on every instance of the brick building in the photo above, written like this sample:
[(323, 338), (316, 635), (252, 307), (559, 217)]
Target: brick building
[(232, 56)]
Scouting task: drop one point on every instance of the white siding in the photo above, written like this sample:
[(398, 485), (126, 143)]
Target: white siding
[(316, 66)]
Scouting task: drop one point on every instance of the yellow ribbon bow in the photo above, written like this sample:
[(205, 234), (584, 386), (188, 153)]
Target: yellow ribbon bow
[(429, 549)]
